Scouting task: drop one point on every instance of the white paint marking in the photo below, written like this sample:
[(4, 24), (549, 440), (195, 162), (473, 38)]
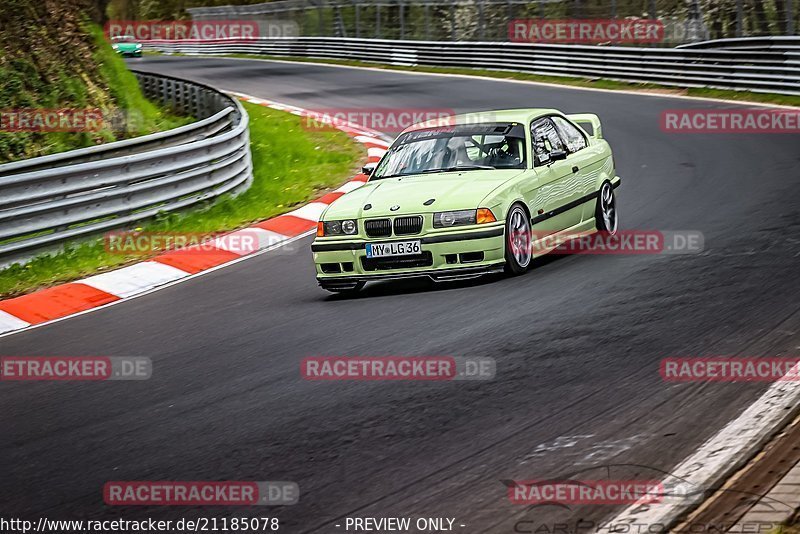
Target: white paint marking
[(8, 322), (310, 212), (374, 140), (376, 152), (134, 279), (168, 284), (350, 186)]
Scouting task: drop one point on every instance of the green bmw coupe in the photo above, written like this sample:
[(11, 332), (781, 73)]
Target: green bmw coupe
[(474, 195)]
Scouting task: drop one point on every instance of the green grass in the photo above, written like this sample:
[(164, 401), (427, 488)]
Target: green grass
[(745, 96), (292, 165), (101, 80)]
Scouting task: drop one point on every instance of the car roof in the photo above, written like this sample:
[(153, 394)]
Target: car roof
[(482, 117)]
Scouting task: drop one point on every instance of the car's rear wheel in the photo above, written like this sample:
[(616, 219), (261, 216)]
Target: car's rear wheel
[(606, 216), (519, 250)]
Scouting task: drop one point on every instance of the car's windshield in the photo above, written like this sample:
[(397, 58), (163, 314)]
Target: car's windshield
[(455, 148), (124, 39)]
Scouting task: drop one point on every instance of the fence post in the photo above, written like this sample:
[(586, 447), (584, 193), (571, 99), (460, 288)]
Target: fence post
[(739, 18), (452, 21), (402, 19), (427, 22), (789, 17), (481, 22), (358, 20), (377, 21)]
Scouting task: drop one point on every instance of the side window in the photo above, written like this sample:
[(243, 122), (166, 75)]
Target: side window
[(572, 136), (545, 140)]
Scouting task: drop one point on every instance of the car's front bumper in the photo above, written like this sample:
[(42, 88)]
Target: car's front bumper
[(447, 255)]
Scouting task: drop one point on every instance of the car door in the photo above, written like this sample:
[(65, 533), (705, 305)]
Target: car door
[(584, 160), (552, 195)]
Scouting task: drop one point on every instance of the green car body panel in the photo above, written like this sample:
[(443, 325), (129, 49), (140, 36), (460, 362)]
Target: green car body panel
[(559, 196)]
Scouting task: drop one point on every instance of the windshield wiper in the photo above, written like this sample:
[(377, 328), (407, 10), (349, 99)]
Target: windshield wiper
[(446, 169), (460, 168)]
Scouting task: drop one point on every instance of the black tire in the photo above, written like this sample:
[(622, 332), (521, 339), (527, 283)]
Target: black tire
[(605, 212), (518, 234)]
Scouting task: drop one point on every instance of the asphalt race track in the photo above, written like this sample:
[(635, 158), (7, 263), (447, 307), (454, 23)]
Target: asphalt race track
[(577, 341)]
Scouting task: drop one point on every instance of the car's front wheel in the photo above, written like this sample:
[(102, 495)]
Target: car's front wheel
[(606, 217), (519, 250)]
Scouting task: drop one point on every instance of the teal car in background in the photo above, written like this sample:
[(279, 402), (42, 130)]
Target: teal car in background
[(477, 194), (126, 46)]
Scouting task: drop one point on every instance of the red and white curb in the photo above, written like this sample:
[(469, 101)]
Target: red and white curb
[(55, 303)]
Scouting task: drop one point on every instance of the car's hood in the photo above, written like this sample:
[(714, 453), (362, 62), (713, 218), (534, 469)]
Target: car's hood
[(449, 191), (126, 47)]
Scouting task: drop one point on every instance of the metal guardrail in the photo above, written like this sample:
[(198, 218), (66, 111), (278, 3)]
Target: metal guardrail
[(48, 200), (788, 43), (757, 71)]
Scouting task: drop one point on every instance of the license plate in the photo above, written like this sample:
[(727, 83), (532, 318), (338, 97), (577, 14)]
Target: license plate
[(398, 248)]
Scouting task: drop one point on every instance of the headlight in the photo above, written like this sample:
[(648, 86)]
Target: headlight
[(445, 219), (115, 47), (346, 227), (138, 46), (349, 227)]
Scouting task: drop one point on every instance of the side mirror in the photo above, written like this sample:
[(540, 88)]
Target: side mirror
[(369, 168), (556, 155)]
